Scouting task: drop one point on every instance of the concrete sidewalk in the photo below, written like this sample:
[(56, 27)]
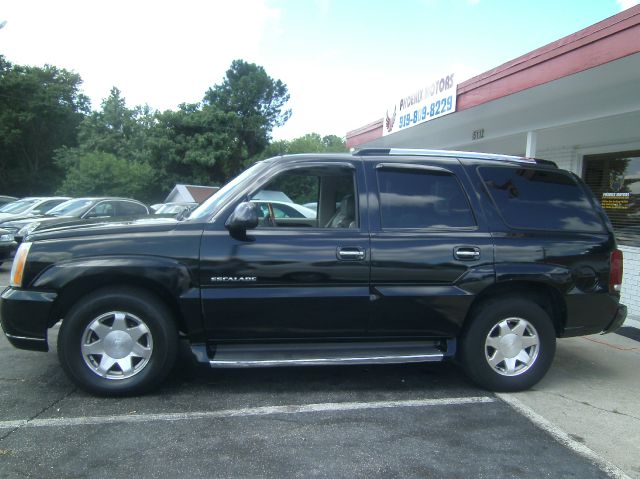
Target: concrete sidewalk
[(592, 393)]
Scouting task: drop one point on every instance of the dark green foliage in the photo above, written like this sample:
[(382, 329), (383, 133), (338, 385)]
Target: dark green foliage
[(50, 140), (40, 110), (96, 173), (309, 143), (114, 154), (251, 104)]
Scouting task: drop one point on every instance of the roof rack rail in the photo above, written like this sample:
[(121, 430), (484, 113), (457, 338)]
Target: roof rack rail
[(448, 154), (373, 152), (549, 163)]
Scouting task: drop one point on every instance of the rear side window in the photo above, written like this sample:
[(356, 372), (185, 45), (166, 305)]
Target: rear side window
[(127, 208), (422, 199), (541, 199)]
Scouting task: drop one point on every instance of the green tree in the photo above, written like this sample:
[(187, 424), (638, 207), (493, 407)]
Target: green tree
[(210, 142), (98, 173), (117, 129), (188, 146), (114, 150), (40, 110), (309, 143), (248, 104)]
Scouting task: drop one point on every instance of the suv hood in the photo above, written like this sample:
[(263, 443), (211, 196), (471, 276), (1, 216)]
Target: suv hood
[(71, 227)]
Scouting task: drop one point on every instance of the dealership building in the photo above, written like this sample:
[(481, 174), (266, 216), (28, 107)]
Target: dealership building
[(575, 101)]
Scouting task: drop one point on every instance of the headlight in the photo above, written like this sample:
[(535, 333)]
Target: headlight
[(7, 237), (17, 270), (28, 229)]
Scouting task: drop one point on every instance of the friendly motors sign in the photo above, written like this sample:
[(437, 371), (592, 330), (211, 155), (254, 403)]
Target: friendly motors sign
[(437, 98)]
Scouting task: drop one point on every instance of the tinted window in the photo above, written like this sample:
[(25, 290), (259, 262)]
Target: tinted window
[(540, 199), (127, 208), (422, 199)]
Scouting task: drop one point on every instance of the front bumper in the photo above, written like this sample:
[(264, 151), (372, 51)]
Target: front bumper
[(25, 317)]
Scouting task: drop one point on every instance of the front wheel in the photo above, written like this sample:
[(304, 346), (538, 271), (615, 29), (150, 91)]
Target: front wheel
[(508, 345), (118, 341)]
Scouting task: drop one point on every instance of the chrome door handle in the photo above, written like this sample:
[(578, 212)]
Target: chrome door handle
[(466, 253), (351, 254)]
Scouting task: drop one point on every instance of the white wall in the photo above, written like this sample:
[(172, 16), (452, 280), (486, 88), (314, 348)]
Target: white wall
[(631, 281), (565, 158)]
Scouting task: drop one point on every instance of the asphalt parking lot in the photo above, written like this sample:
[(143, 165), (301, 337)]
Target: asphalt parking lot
[(422, 421)]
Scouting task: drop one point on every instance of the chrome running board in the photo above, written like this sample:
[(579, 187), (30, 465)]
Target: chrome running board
[(322, 354)]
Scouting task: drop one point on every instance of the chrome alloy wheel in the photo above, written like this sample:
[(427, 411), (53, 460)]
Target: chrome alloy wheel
[(116, 345), (512, 346)]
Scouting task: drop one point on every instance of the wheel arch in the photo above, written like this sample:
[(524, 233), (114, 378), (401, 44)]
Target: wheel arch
[(544, 295), (166, 279)]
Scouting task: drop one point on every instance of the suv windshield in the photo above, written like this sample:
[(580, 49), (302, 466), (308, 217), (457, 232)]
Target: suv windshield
[(70, 208), (211, 206)]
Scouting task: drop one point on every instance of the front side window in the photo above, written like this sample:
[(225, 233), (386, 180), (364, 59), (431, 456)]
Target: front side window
[(105, 208), (549, 200), (417, 199), (330, 191)]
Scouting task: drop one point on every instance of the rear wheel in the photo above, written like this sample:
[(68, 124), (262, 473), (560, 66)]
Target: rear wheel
[(118, 341), (508, 345)]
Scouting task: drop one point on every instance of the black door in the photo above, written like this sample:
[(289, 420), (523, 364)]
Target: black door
[(292, 277), (429, 253)]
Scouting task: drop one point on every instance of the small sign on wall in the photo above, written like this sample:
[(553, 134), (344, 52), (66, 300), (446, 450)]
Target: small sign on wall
[(477, 134), (615, 201)]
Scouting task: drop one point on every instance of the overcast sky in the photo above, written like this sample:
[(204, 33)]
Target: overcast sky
[(344, 61)]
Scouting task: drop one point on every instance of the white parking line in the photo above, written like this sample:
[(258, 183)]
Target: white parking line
[(243, 412), (562, 437)]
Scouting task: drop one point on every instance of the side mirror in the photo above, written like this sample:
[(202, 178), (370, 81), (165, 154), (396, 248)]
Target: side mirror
[(244, 217)]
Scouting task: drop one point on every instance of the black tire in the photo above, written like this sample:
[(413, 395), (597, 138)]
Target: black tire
[(512, 325), (91, 325)]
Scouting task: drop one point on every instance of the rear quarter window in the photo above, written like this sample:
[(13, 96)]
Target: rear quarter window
[(529, 198), (127, 208)]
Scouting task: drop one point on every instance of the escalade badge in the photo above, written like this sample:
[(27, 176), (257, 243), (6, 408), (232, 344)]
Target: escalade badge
[(234, 279)]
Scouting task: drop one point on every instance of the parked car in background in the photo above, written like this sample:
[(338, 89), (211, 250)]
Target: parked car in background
[(283, 209), (79, 210), (283, 206), (174, 208), (6, 199), (7, 245), (31, 206)]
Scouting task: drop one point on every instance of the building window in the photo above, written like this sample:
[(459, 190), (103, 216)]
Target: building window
[(614, 179)]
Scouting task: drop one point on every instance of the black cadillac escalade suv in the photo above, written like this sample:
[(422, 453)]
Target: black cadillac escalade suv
[(399, 256)]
